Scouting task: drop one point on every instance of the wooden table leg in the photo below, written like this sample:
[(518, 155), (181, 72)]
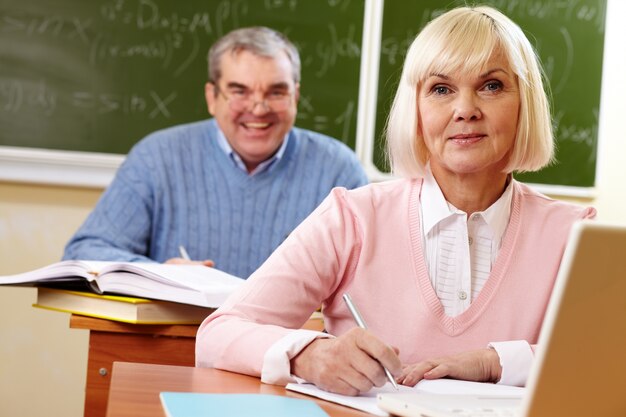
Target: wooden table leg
[(106, 348)]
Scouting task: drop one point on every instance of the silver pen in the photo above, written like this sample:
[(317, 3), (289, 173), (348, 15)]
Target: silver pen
[(183, 253), (359, 320)]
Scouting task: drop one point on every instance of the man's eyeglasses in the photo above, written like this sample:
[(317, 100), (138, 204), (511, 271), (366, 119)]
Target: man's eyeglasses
[(241, 99)]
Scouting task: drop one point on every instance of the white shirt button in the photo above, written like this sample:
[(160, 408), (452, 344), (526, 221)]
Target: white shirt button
[(462, 295), (470, 240)]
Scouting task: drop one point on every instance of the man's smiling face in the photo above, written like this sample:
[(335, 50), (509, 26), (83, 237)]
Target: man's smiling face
[(266, 85)]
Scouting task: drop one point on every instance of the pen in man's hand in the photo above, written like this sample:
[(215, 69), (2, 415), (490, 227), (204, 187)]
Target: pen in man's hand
[(183, 253), (359, 320)]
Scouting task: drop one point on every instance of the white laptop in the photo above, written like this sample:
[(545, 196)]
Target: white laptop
[(580, 363)]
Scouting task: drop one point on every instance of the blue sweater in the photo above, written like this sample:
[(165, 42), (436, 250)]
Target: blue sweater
[(177, 187)]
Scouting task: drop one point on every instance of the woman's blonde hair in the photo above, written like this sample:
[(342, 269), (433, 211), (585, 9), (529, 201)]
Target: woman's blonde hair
[(463, 39)]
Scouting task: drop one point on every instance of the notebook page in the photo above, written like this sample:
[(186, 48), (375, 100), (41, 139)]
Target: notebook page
[(367, 401)]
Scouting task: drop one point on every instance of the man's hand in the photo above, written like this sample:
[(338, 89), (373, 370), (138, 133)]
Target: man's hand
[(181, 261), (481, 365), (348, 365)]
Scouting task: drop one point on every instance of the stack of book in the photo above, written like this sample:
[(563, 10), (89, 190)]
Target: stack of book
[(143, 293), (120, 308)]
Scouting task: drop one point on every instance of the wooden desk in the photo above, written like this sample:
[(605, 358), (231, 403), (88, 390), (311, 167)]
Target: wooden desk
[(111, 341), (135, 388)]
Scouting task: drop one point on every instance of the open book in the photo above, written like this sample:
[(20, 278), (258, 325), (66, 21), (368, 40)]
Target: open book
[(368, 401), (189, 284)]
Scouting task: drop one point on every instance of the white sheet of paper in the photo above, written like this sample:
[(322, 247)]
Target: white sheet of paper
[(367, 401)]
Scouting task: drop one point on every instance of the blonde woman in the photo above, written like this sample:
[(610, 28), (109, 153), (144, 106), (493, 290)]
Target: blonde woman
[(451, 266)]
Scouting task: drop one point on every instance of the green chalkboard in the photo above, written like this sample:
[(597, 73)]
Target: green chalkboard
[(98, 75), (569, 37)]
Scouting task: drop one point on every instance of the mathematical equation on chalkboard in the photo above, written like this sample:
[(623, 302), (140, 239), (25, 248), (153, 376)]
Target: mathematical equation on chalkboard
[(122, 68)]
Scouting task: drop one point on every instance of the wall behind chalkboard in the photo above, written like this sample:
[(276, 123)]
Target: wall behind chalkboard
[(569, 37), (98, 75)]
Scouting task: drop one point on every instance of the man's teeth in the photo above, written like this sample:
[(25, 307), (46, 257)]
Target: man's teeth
[(257, 125)]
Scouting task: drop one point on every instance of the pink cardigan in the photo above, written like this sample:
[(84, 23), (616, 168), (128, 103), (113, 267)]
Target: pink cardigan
[(367, 242)]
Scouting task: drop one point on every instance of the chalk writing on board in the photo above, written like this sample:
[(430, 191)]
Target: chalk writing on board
[(545, 10), (153, 104), (170, 34), (55, 26), (574, 132), (18, 95), (328, 52), (147, 15), (81, 73)]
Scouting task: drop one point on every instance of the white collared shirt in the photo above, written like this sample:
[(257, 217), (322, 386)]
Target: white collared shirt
[(234, 156), (460, 252)]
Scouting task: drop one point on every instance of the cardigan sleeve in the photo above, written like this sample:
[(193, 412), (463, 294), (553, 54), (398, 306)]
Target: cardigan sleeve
[(281, 295), (119, 227)]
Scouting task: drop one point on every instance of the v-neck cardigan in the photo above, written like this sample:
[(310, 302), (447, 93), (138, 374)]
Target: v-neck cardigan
[(367, 242)]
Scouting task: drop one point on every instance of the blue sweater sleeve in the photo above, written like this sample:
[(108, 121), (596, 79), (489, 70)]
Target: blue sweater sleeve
[(119, 227)]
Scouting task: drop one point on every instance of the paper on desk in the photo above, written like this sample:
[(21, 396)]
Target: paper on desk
[(367, 401)]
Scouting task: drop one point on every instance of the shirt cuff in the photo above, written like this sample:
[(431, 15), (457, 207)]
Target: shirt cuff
[(276, 362), (516, 359)]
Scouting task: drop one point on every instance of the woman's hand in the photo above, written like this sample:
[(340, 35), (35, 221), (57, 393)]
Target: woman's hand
[(349, 364), (481, 365)]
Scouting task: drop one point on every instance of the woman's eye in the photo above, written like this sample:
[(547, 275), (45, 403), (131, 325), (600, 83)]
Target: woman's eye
[(440, 89), (493, 86)]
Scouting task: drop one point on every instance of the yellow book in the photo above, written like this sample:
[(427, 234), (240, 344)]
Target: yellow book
[(120, 308)]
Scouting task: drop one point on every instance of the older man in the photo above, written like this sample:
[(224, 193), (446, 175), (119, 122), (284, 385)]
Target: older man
[(231, 188)]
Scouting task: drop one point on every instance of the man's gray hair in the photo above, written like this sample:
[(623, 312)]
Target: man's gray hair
[(259, 40)]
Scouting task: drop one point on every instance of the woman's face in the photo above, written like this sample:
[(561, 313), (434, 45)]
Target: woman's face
[(469, 120)]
